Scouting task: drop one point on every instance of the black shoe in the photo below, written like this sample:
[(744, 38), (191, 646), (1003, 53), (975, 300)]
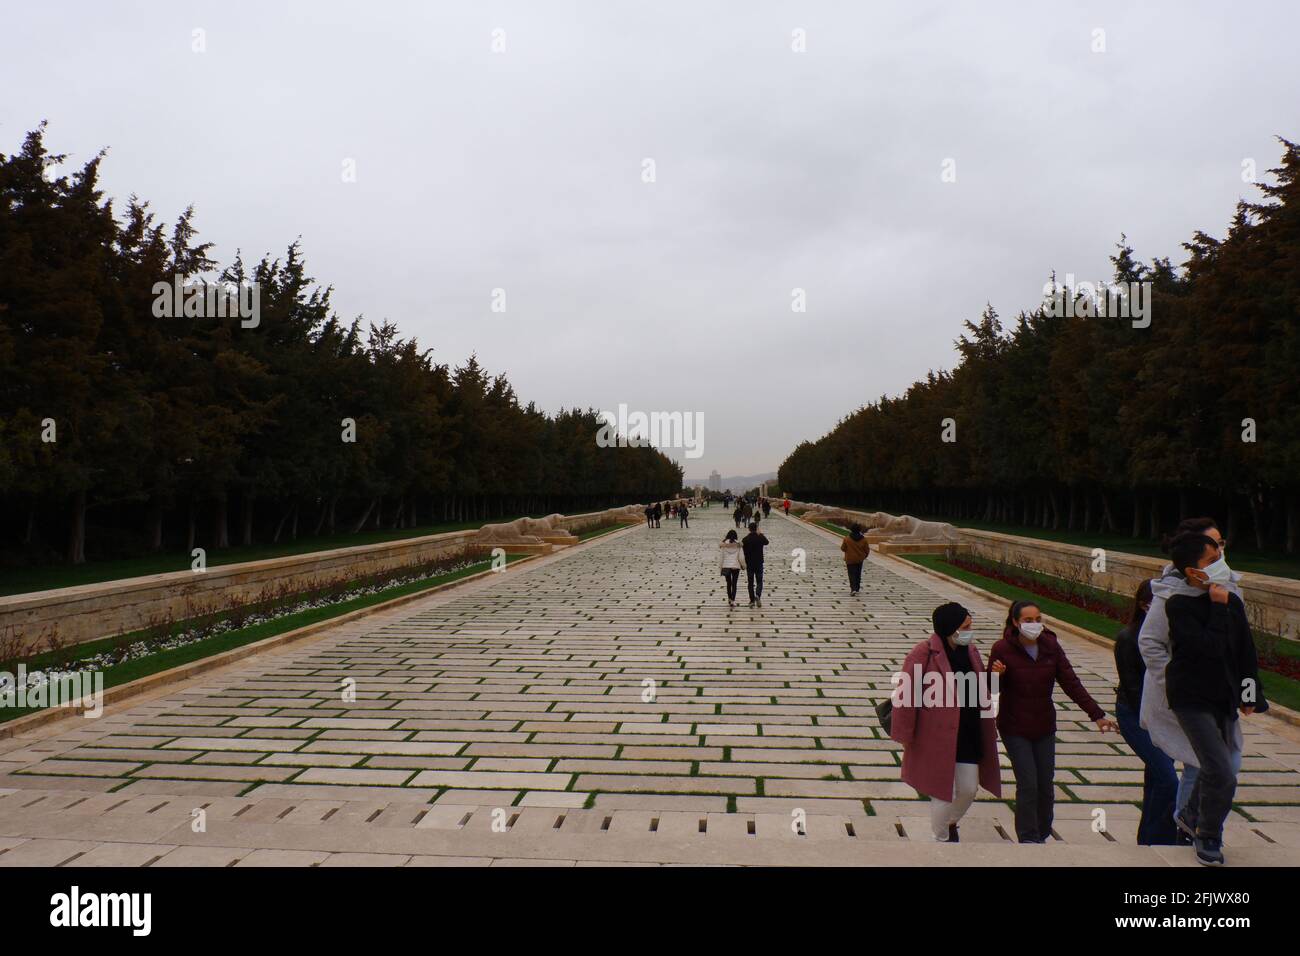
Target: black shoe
[(952, 833), (1209, 852)]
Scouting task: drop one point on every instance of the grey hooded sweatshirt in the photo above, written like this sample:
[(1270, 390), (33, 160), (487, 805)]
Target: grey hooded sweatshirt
[(1156, 718)]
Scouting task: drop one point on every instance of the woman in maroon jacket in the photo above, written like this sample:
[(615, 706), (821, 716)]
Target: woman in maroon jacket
[(1029, 662)]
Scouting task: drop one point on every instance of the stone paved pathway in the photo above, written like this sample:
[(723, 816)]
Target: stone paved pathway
[(503, 722)]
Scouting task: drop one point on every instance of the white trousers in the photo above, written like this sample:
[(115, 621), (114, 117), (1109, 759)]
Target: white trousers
[(944, 813)]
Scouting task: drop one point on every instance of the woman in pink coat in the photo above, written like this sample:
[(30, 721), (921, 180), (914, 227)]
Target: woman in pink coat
[(945, 722)]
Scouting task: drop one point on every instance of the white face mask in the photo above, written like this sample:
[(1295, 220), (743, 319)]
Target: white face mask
[(1218, 572), (1030, 630), (962, 638)]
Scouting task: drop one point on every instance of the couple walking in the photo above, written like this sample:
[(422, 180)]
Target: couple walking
[(950, 745), (746, 555)]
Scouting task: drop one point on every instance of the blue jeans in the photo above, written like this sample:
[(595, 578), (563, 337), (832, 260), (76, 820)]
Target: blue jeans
[(1188, 780), (1159, 781)]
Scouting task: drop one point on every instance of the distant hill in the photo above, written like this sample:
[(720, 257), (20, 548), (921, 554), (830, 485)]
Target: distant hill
[(735, 482)]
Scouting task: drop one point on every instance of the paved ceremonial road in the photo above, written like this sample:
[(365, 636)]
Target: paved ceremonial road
[(517, 700)]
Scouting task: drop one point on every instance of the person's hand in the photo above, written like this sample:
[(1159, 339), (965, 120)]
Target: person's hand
[(1218, 594), (1104, 724), (1247, 711), (998, 667)]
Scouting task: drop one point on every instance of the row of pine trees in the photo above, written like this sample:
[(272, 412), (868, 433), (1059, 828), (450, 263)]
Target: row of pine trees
[(158, 433), (1090, 424)]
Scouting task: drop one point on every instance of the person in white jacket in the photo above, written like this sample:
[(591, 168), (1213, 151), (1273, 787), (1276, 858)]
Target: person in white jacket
[(732, 560), (1156, 717)]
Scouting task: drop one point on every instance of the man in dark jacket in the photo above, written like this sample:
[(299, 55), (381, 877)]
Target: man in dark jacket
[(1212, 674), (753, 545)]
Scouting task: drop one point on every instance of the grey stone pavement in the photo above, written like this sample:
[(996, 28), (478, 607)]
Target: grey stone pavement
[(599, 706)]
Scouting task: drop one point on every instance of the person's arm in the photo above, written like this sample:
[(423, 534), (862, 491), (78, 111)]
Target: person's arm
[(844, 545), (1248, 661), (1073, 687), (902, 723), (1153, 639), (1200, 638)]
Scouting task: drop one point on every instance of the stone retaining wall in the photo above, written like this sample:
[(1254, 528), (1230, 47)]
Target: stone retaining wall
[(91, 611), (1273, 602)]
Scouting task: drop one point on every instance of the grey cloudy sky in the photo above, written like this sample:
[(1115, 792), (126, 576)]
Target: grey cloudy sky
[(775, 170)]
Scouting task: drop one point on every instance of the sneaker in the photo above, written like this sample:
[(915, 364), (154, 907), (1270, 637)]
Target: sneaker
[(952, 833), (751, 603), (1186, 825), (1209, 852), (760, 602)]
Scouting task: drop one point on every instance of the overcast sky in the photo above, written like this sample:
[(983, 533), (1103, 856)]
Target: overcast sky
[(523, 169)]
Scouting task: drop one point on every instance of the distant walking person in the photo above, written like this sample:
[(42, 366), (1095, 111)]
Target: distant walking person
[(1030, 662), (856, 549), (1159, 779), (1213, 673), (683, 513), (767, 508), (658, 513), (753, 544), (949, 749), (786, 506), (649, 516), (732, 559), (738, 515)]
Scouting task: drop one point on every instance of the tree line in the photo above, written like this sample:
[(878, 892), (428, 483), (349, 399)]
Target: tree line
[(205, 429), (1089, 423)]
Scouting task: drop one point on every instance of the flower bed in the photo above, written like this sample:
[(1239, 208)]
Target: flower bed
[(160, 636)]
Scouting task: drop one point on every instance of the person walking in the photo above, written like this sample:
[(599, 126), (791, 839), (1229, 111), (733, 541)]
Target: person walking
[(767, 508), (753, 545), (737, 515), (732, 560), (949, 750), (856, 549), (649, 516), (683, 513), (1159, 779), (658, 513), (786, 506), (1213, 673), (1156, 717), (1029, 662)]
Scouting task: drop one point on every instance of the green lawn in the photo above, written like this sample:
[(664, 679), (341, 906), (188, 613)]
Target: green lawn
[(153, 663), (1278, 687), (20, 580), (1241, 559)]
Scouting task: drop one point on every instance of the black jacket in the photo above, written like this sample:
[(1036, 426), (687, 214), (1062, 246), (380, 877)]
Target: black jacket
[(754, 543), (1132, 670), (1212, 666)]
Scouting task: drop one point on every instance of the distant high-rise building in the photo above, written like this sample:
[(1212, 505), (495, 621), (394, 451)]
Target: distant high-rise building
[(715, 481)]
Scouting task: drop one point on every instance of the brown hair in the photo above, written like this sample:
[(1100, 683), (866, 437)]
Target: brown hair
[(1141, 596)]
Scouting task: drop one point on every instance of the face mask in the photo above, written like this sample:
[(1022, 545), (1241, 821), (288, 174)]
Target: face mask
[(1030, 630), (1218, 572), (962, 638)]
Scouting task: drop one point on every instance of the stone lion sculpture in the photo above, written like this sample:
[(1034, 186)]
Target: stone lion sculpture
[(906, 529), (509, 532)]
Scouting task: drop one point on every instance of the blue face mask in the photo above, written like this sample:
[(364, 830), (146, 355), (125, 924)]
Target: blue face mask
[(963, 638)]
